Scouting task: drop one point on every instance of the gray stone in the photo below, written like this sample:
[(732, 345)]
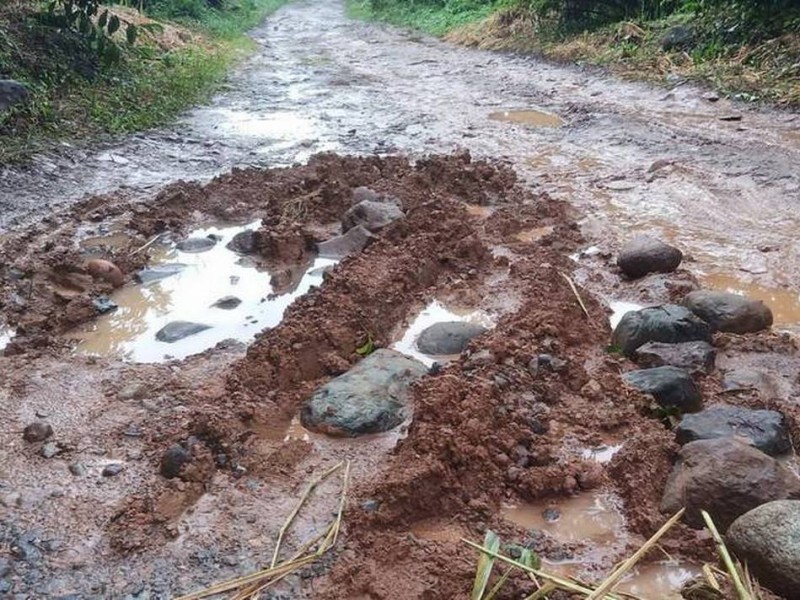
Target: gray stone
[(644, 254), (371, 215), (692, 356), (751, 379), (50, 449), (727, 478), (133, 390), (177, 330), (448, 338), (78, 469), (159, 272), (764, 429), (103, 304), (767, 540), (364, 193), (371, 397), (244, 242), (352, 242), (668, 323), (670, 386), (733, 313), (227, 303), (112, 470), (12, 93), (196, 245), (173, 460), (38, 431), (678, 37)]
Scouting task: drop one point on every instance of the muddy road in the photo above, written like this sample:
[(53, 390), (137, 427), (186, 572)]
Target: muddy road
[(630, 156)]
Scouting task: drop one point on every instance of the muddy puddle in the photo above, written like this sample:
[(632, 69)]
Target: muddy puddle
[(784, 303), (216, 288), (528, 117), (602, 453), (433, 313)]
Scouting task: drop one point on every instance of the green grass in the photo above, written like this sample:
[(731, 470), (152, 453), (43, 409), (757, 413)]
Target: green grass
[(435, 20), (75, 99)]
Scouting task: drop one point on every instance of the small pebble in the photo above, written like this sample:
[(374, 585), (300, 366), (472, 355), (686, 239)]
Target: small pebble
[(77, 469), (50, 449), (112, 470)]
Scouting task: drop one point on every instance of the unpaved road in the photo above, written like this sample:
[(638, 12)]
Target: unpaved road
[(321, 81)]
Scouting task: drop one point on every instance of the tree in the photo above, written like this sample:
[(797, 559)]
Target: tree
[(85, 17)]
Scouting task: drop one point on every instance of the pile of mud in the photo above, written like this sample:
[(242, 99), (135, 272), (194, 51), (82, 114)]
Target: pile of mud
[(514, 423)]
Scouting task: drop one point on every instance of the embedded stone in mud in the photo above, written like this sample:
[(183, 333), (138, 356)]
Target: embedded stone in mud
[(692, 356), (341, 246), (159, 272), (670, 386), (725, 311), (767, 539), (38, 431), (244, 242), (173, 460), (448, 338), (764, 429), (105, 270), (227, 303), (195, 245), (644, 254), (177, 330), (668, 323), (727, 478), (371, 215), (371, 397)]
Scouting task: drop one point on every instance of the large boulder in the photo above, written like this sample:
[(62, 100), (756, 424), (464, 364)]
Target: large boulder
[(177, 330), (670, 386), (692, 356), (371, 397), (12, 93), (727, 478), (352, 242), (725, 311), (448, 338), (372, 215), (644, 254), (763, 429), (668, 323), (767, 540)]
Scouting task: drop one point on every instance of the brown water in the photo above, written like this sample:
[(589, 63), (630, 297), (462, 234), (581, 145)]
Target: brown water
[(529, 117), (784, 303)]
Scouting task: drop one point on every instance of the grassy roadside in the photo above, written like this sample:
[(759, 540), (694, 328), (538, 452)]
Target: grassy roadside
[(766, 71), (74, 98)]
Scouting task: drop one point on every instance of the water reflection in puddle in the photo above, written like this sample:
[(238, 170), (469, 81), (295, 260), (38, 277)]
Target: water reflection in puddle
[(434, 313), (785, 304), (658, 581), (601, 454), (530, 117), (129, 332), (284, 125)]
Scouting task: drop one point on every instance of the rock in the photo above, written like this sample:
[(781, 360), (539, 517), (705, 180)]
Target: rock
[(644, 254), (371, 215), (195, 245), (159, 272), (103, 304), (727, 478), (105, 270), (112, 470), (177, 330), (12, 93), (173, 460), (725, 311), (364, 193), (244, 242), (49, 450), (77, 469), (762, 429), (136, 389), (767, 540), (352, 242), (448, 337), (678, 37), (668, 323), (670, 386), (692, 356), (750, 379), (38, 431), (227, 303), (371, 397)]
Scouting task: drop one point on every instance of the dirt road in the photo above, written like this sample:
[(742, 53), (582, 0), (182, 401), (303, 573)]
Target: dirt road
[(631, 156)]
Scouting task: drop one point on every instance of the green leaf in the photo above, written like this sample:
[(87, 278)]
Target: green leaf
[(131, 33), (485, 564), (113, 25), (103, 20), (368, 347)]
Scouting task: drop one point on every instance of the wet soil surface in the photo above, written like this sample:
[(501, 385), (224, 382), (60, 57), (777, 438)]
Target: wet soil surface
[(528, 432)]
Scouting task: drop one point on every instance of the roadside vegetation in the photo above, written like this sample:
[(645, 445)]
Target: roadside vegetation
[(748, 49), (93, 68)]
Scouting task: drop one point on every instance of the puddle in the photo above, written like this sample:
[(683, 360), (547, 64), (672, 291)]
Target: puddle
[(658, 581), (618, 310), (280, 125), (129, 331), (436, 312), (110, 241), (6, 335), (601, 454), (785, 304), (588, 517), (530, 117)]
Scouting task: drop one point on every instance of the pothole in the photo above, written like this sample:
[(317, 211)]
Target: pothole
[(216, 289), (529, 117), (434, 313)]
